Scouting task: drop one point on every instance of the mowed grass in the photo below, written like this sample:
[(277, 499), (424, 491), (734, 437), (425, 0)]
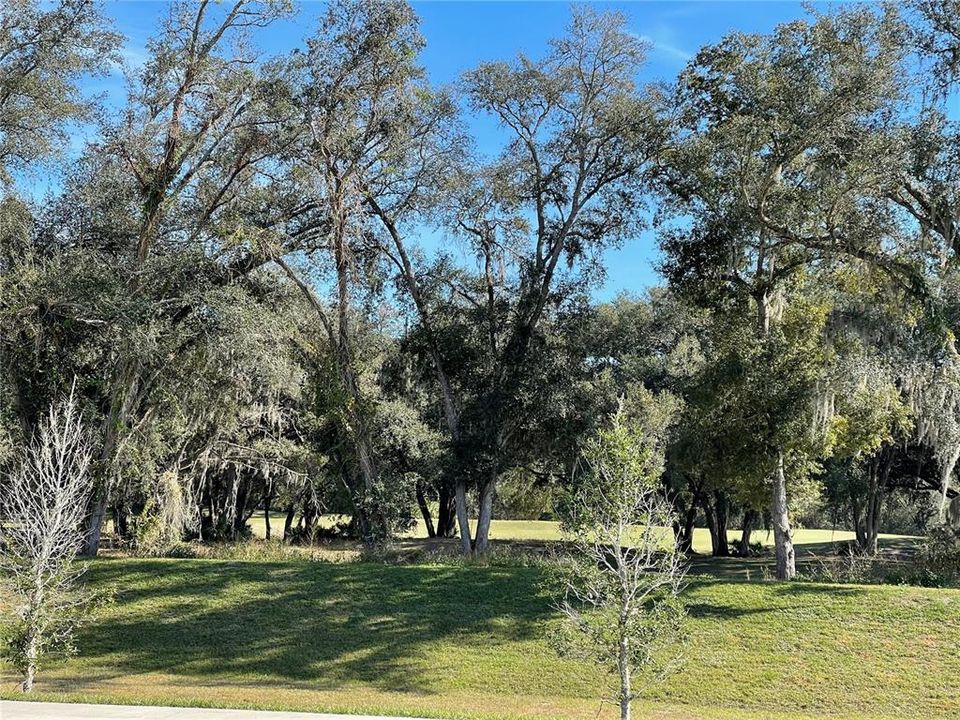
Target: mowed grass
[(546, 530), (468, 641)]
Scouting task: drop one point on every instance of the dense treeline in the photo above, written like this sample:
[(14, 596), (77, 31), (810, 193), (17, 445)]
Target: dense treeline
[(241, 270)]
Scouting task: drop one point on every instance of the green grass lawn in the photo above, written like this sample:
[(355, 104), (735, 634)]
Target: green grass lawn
[(468, 641), (548, 530)]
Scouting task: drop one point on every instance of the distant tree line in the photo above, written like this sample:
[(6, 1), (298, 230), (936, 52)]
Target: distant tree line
[(295, 283)]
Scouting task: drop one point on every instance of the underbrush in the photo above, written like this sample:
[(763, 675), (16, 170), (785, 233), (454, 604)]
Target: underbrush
[(935, 563), (399, 552), (396, 553), (261, 551), (849, 568)]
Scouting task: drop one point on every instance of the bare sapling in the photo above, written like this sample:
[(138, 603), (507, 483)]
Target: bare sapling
[(43, 500)]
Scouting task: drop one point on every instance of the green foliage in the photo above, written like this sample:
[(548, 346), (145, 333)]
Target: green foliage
[(937, 563), (230, 269), (621, 584), (45, 50)]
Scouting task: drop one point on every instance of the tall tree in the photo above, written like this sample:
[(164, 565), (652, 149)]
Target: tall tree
[(191, 138), (356, 87), (775, 162), (580, 140)]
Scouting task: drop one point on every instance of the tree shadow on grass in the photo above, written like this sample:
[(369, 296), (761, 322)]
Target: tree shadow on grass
[(713, 611), (802, 589), (303, 623)]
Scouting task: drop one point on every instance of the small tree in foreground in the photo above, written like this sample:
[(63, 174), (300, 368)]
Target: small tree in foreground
[(43, 501), (623, 577)]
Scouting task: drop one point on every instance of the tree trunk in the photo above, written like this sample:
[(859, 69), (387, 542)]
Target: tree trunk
[(121, 522), (946, 472), (782, 534), (716, 514), (683, 532), (31, 653), (425, 511), (94, 529), (308, 520), (266, 518), (871, 534), (711, 520), (743, 544), (623, 665), (720, 507), (446, 511), (482, 542), (341, 340), (856, 513), (463, 519), (879, 475), (288, 521), (240, 504), (450, 504), (124, 397), (780, 516)]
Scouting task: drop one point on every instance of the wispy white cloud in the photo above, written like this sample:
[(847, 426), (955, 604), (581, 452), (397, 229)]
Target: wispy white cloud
[(666, 48)]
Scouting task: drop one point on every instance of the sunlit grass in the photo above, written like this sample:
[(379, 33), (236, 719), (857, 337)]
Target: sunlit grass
[(547, 530), (469, 641)]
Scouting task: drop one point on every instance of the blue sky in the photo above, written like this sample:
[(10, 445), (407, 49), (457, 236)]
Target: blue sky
[(461, 34)]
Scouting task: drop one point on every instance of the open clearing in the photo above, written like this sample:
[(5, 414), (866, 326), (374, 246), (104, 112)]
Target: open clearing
[(469, 641), (548, 530)]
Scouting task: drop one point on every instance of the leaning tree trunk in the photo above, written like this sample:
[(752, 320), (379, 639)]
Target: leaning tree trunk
[(425, 510), (451, 506), (782, 534), (123, 400), (98, 501)]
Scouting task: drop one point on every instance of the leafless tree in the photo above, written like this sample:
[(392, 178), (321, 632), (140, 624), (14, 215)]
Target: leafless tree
[(43, 501)]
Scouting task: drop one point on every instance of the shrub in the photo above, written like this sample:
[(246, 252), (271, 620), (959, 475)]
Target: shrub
[(937, 562)]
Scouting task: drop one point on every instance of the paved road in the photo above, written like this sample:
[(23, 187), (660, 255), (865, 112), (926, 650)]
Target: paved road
[(15, 710)]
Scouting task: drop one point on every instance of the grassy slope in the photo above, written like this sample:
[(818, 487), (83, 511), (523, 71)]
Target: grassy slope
[(468, 642)]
